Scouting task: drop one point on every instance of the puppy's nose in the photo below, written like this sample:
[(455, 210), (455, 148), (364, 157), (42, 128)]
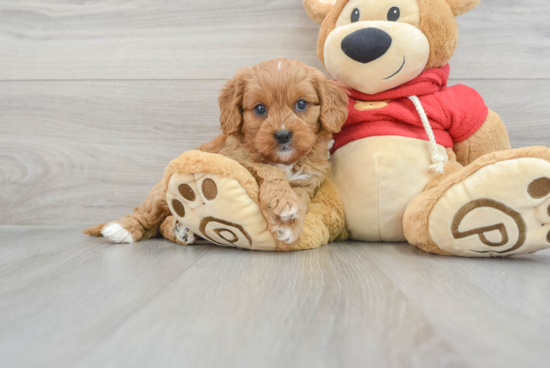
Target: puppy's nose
[(283, 136), (366, 45)]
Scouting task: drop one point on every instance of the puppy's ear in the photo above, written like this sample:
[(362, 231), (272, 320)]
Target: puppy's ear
[(333, 98), (318, 9), (460, 7), (231, 104)]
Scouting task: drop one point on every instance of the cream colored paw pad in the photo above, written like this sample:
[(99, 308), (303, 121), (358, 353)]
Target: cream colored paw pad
[(218, 209), (503, 209)]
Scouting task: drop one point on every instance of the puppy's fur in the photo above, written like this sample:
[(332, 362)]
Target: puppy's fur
[(288, 174)]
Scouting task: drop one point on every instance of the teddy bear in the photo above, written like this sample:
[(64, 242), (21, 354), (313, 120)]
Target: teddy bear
[(418, 161)]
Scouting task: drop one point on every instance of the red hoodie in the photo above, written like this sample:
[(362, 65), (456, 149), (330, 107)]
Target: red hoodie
[(455, 113)]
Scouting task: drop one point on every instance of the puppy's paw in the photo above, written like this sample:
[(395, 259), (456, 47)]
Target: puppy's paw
[(292, 213), (115, 233), (286, 208), (183, 234), (285, 233)]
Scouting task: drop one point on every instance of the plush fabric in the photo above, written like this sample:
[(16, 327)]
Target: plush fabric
[(455, 113), (377, 177), (490, 201), (490, 137), (419, 211)]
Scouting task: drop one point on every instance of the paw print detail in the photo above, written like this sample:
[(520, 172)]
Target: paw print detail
[(186, 192), (218, 209), (225, 232), (502, 209), (500, 227)]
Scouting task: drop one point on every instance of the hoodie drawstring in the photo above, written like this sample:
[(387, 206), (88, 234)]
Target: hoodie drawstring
[(438, 161)]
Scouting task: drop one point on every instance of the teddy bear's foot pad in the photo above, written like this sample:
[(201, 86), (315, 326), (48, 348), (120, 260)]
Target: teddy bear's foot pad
[(502, 209), (218, 209)]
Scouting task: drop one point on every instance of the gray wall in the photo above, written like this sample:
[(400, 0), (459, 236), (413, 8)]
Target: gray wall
[(97, 97)]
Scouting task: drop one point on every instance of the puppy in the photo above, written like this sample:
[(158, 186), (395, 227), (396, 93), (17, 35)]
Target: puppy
[(277, 119)]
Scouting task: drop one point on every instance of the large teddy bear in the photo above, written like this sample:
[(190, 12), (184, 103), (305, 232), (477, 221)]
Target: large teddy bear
[(418, 161)]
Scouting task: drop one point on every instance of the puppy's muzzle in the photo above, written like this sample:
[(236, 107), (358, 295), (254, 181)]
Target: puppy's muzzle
[(283, 136), (366, 45)]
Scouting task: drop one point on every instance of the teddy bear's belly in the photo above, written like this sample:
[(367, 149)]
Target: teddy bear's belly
[(377, 177)]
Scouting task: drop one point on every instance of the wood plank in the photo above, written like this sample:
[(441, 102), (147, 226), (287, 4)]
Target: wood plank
[(184, 39), (501, 301), (79, 153), (154, 303), (58, 305), (73, 149)]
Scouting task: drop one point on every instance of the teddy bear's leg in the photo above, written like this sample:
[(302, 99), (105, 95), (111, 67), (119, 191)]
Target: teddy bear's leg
[(217, 208), (497, 206), (216, 198)]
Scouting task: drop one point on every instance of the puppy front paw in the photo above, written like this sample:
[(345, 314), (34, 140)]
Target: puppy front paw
[(285, 209), (287, 233), (290, 213), (115, 233)]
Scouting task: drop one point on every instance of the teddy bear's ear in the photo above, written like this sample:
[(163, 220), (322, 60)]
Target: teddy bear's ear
[(460, 7), (318, 9)]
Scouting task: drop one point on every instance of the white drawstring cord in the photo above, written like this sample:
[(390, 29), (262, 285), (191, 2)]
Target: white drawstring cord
[(438, 161), (330, 144)]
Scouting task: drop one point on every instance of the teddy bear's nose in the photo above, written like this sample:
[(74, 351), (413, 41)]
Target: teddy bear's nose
[(366, 45)]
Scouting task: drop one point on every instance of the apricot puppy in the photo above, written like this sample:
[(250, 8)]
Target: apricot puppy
[(278, 119)]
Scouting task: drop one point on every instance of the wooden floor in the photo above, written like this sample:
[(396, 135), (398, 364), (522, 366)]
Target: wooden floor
[(71, 301), (96, 97)]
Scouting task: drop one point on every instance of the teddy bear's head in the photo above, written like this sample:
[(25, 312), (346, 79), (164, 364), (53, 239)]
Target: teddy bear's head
[(376, 45)]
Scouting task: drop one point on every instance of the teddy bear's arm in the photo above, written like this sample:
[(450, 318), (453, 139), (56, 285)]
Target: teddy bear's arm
[(490, 137)]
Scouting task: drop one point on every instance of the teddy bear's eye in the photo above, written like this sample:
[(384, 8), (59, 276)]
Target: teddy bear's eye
[(394, 14), (355, 14)]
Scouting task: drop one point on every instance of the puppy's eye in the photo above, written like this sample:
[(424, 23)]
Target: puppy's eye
[(355, 14), (394, 14), (301, 105), (260, 110)]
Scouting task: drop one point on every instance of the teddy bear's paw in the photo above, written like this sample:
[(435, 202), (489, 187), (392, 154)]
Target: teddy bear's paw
[(502, 209), (218, 209), (115, 233), (183, 234)]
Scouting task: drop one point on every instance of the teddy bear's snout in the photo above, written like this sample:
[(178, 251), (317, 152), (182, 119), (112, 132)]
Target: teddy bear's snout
[(366, 45)]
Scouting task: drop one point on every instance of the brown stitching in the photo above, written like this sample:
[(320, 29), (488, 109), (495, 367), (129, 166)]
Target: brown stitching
[(539, 188), (491, 203), (220, 231), (208, 220), (209, 189), (178, 207), (186, 192)]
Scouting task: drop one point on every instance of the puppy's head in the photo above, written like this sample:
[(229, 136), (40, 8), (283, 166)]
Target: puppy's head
[(282, 109)]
